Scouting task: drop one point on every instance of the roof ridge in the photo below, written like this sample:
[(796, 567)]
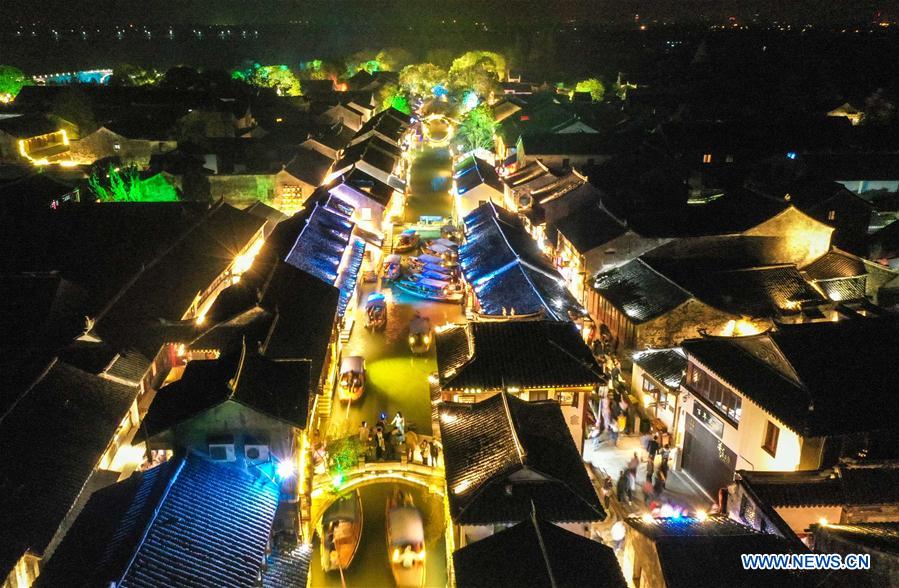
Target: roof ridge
[(513, 428), (663, 276), (156, 510), (542, 544)]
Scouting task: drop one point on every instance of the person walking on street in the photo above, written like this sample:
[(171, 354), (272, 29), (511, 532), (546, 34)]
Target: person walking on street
[(653, 446), (425, 453), (622, 423), (647, 491), (400, 423), (606, 492), (435, 451), (613, 433), (633, 464), (659, 485), (380, 446), (363, 433), (663, 462), (621, 486), (650, 467)]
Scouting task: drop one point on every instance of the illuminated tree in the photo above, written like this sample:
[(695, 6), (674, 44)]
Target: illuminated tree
[(421, 79), (390, 59), (277, 77), (594, 86), (489, 61), (132, 75), (11, 81), (126, 185), (477, 129), (475, 79)]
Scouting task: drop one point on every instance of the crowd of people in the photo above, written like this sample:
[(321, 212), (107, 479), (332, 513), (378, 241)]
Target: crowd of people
[(382, 443)]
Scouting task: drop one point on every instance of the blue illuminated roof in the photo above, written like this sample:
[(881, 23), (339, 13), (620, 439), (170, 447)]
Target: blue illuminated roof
[(508, 271), (321, 243)]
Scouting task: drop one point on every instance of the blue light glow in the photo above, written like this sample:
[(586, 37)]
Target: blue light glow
[(791, 155)]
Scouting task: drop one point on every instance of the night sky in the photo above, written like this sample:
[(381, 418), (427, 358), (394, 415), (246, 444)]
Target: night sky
[(61, 12)]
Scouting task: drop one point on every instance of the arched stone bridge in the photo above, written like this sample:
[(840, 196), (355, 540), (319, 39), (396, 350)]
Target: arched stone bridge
[(324, 493)]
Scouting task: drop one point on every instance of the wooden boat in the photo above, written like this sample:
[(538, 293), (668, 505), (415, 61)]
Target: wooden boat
[(375, 311), (341, 532), (407, 241), (439, 290), (420, 334), (392, 267), (352, 378), (405, 541)]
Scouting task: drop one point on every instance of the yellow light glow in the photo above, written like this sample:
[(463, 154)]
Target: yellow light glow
[(68, 163), (461, 487), (65, 137), (200, 319), (647, 518), (244, 261), (822, 521), (702, 515)]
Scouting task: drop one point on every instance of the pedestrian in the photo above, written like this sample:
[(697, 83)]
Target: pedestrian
[(425, 453), (644, 442), (650, 467), (380, 446), (633, 464), (622, 423), (659, 485), (631, 485), (613, 433), (435, 451), (621, 486), (647, 492), (663, 462), (653, 446), (606, 492), (399, 422), (363, 433)]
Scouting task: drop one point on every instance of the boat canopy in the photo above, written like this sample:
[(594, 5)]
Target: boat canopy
[(432, 283), (433, 259), (405, 526), (342, 510)]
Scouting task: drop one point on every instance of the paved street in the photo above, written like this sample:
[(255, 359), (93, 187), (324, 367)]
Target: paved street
[(397, 380)]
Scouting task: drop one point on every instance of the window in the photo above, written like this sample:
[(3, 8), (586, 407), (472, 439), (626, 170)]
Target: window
[(648, 386), (707, 158), (831, 215), (538, 395), (717, 394), (772, 432), (116, 146)]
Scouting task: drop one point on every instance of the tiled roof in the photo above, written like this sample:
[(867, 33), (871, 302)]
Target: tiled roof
[(505, 457), (882, 537), (28, 125), (52, 437), (805, 384), (253, 324), (129, 366), (843, 289), (276, 388), (706, 554), (287, 567), (666, 366), (320, 244), (835, 264), (639, 292), (537, 554), (516, 353), (508, 271), (536, 145), (189, 522), (472, 171), (304, 310), (588, 227), (309, 166), (166, 287), (847, 484)]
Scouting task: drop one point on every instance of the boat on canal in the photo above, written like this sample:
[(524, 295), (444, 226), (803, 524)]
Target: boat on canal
[(408, 240), (432, 289), (405, 541), (341, 532)]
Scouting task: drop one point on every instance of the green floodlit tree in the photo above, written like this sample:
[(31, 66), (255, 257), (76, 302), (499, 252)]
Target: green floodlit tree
[(487, 60), (12, 79), (277, 77), (477, 129), (594, 86), (126, 185), (421, 78)]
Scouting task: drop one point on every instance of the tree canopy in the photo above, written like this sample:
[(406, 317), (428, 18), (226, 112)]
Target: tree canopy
[(421, 78), (389, 59), (12, 79), (126, 185), (487, 60), (477, 128), (594, 86), (277, 77), (133, 75)]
